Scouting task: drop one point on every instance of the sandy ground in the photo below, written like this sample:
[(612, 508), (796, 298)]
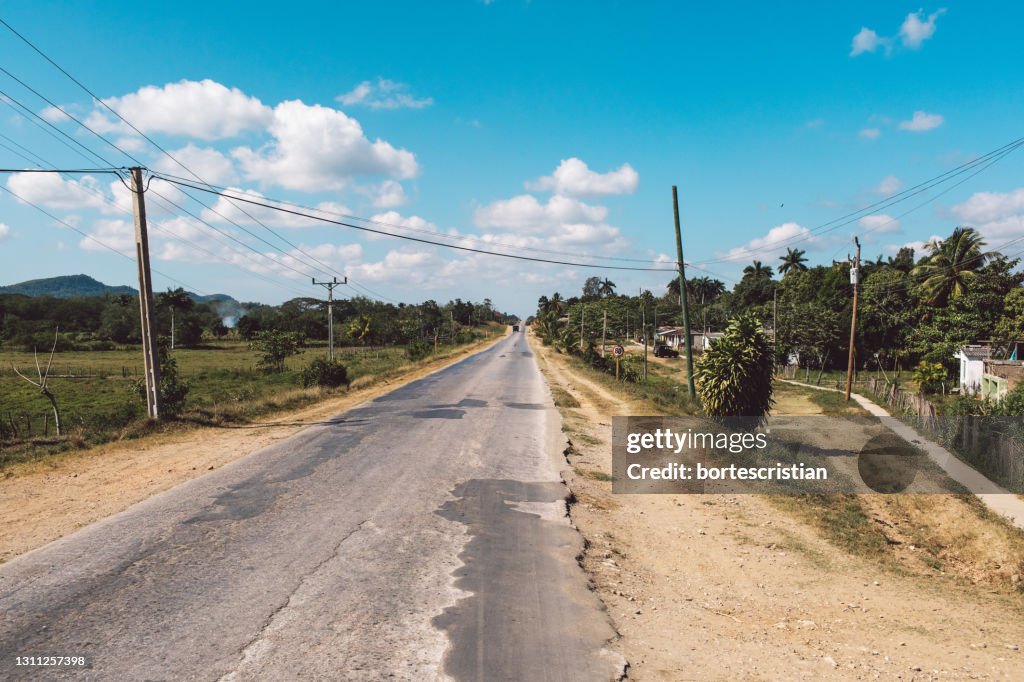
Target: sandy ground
[(704, 587), (45, 501)]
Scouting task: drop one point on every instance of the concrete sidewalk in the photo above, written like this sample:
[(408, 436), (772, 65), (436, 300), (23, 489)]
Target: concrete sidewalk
[(996, 497)]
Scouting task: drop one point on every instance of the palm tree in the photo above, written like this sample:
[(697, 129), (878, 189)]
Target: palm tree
[(951, 266), (793, 261), (175, 299), (704, 290), (607, 288), (757, 269), (556, 304)]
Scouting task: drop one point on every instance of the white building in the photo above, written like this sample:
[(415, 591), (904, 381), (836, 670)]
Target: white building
[(972, 367)]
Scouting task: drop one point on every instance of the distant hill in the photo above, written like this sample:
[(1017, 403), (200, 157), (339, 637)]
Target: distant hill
[(67, 286), (70, 286)]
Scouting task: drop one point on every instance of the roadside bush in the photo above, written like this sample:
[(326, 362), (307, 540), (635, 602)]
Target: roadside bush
[(325, 374), (734, 376), (930, 376), (417, 350), (275, 347)]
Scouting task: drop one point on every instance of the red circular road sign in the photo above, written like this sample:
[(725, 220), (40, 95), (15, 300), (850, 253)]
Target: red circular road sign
[(618, 351)]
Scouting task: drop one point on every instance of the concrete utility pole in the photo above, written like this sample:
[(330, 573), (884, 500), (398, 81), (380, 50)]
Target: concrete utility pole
[(643, 317), (682, 296), (330, 286), (451, 315), (775, 318), (854, 279), (149, 355), (583, 313), (604, 332)]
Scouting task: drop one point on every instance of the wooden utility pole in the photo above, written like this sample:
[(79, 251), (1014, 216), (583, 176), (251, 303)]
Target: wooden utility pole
[(604, 332), (682, 296), (451, 314), (854, 278), (149, 353), (330, 286)]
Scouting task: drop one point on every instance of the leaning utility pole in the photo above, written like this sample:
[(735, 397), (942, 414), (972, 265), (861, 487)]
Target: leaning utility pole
[(854, 277), (330, 286), (149, 355), (682, 296)]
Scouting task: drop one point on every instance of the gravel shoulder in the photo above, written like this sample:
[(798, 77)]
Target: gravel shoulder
[(717, 587)]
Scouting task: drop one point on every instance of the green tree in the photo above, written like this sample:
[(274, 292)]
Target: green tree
[(734, 375), (793, 261), (174, 300), (275, 347), (951, 267)]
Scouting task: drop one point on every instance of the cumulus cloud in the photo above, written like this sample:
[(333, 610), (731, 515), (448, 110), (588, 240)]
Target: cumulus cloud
[(317, 148), (997, 215), (50, 190), (867, 40), (889, 185), (526, 214), (772, 244), (116, 234), (208, 163), (227, 210), (870, 133), (922, 121), (574, 178), (383, 94), (390, 194), (5, 232), (919, 247), (915, 29), (199, 109), (879, 223)]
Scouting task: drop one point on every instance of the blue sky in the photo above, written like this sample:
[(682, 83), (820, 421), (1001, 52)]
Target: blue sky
[(453, 117)]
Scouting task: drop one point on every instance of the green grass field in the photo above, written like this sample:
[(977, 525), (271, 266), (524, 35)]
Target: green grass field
[(97, 403)]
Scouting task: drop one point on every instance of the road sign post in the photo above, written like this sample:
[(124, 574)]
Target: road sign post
[(617, 352)]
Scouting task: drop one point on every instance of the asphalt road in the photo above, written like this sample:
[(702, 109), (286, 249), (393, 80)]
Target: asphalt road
[(419, 536)]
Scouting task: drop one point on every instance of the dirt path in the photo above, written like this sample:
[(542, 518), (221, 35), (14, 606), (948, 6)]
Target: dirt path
[(714, 587), (41, 502)]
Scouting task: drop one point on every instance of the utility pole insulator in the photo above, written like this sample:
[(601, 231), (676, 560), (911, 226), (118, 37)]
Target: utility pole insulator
[(330, 286)]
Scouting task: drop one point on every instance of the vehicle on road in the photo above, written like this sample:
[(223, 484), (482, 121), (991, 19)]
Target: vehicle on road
[(665, 352)]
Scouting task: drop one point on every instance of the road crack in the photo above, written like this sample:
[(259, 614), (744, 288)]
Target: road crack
[(257, 647)]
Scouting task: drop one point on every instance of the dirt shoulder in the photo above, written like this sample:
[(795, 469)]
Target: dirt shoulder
[(43, 501), (718, 587)]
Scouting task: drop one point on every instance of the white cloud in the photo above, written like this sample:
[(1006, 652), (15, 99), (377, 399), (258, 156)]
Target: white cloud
[(889, 185), (50, 190), (922, 121), (870, 133), (116, 234), (317, 148), (879, 223), (390, 194), (772, 244), (383, 94), (5, 231), (919, 247), (199, 109), (985, 207), (996, 215), (525, 213), (574, 178), (208, 163), (867, 40), (916, 30), (54, 115), (226, 210)]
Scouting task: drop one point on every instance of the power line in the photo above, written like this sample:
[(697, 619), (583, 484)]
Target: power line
[(892, 200), (407, 237)]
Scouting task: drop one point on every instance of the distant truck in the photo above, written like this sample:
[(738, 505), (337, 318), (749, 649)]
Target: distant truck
[(515, 328)]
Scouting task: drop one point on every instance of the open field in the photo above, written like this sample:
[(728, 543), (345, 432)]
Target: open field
[(94, 390)]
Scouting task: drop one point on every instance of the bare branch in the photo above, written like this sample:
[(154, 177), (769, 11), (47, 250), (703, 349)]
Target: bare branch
[(24, 377), (46, 375)]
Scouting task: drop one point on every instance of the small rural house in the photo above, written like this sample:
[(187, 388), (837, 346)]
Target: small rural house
[(972, 367), (673, 338)]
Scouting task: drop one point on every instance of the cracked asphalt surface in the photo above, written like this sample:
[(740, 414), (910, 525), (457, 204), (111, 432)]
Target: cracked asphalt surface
[(420, 536)]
